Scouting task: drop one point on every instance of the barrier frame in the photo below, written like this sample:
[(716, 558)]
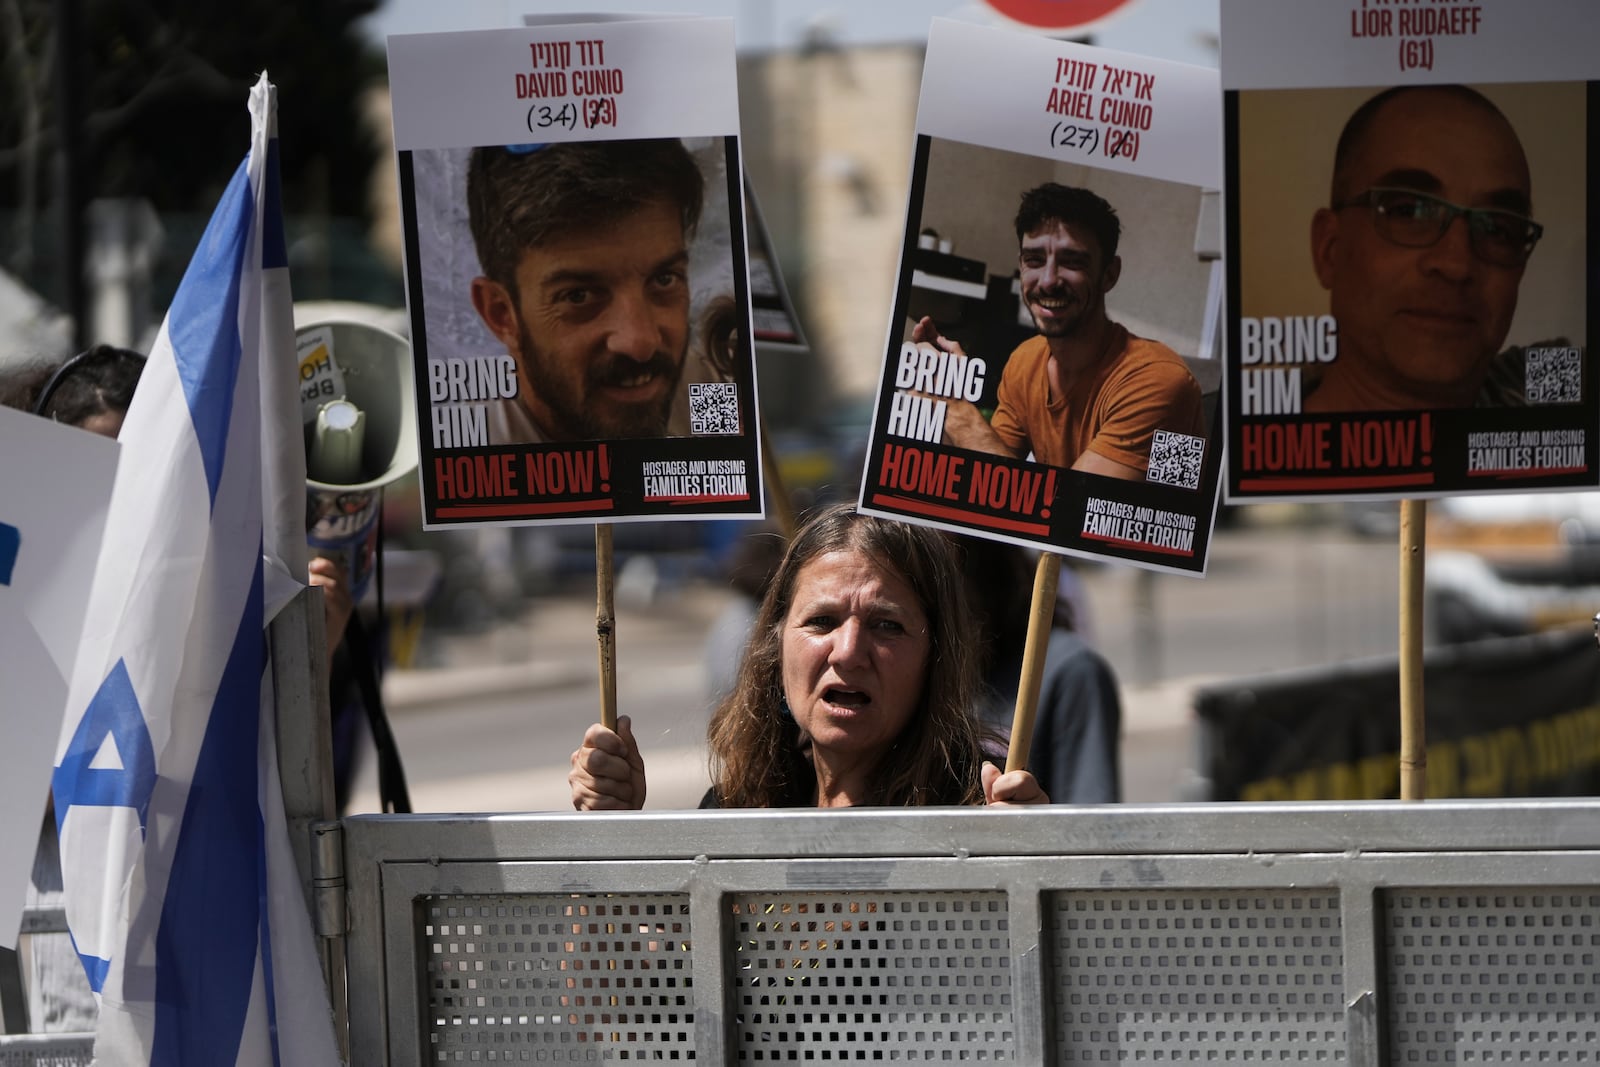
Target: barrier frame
[(1360, 850)]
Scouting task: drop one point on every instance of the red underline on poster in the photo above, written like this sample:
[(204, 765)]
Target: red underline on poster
[(980, 518), (1365, 481), (514, 511), (720, 499), (1142, 546), (1532, 472)]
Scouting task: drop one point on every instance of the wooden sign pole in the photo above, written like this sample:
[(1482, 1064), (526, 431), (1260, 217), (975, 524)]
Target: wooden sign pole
[(1040, 616), (1413, 728), (605, 624)]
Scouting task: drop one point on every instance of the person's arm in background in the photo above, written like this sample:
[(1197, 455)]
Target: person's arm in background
[(1077, 733), (336, 602)]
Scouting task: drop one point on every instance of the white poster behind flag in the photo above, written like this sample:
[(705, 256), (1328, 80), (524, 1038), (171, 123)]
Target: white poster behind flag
[(49, 542)]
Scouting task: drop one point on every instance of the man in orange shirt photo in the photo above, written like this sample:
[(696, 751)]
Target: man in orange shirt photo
[(1084, 393)]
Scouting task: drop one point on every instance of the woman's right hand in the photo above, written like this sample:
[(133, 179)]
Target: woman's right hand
[(607, 772)]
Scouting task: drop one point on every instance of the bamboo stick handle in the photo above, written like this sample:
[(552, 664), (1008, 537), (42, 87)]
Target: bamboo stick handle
[(1413, 726), (605, 624), (1040, 615)]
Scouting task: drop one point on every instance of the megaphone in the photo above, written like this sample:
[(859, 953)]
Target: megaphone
[(360, 418)]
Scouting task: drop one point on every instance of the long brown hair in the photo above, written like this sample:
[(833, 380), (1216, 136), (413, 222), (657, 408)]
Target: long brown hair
[(756, 756)]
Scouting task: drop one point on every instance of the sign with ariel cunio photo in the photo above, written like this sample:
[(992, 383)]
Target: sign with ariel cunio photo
[(1048, 376)]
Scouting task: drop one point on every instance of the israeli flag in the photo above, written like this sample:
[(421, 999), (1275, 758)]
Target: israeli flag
[(182, 894)]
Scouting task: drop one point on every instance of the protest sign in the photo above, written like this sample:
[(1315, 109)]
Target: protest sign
[(575, 271), (777, 326), (1375, 347), (1048, 380), (50, 530)]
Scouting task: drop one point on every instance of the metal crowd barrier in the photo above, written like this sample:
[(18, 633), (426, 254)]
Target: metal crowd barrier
[(1366, 933)]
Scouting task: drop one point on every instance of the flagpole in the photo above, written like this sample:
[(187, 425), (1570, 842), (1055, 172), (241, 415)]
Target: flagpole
[(1413, 727), (198, 937), (1040, 616), (605, 623)]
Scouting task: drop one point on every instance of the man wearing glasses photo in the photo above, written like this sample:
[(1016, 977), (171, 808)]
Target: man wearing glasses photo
[(1421, 249)]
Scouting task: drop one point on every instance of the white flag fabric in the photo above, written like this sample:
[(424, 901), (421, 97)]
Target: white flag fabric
[(182, 894)]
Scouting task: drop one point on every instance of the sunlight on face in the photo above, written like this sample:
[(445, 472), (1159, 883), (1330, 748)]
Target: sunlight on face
[(855, 654)]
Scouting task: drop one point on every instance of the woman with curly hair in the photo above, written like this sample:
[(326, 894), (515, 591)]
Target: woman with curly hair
[(856, 687)]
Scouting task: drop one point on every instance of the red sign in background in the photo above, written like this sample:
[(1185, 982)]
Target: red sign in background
[(1056, 14)]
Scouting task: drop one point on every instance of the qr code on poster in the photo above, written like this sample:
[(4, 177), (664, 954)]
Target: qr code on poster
[(1554, 375), (713, 408), (1175, 459)]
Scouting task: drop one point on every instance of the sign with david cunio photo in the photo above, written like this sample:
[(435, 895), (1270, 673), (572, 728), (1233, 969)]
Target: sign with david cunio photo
[(1049, 378), (1411, 247), (575, 272)]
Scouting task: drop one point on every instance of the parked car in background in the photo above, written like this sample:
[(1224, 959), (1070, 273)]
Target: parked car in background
[(1501, 566)]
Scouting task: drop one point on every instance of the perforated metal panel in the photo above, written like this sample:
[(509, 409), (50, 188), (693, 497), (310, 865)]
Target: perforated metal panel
[(913, 977), (1193, 935), (1493, 975), (1218, 975), (557, 978)]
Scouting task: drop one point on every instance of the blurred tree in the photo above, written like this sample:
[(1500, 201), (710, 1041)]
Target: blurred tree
[(162, 86)]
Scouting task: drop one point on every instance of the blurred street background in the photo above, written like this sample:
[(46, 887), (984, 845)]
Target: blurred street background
[(486, 721)]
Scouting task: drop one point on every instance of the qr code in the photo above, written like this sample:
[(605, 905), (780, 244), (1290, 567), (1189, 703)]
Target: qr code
[(1175, 459), (1554, 375), (713, 408)]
